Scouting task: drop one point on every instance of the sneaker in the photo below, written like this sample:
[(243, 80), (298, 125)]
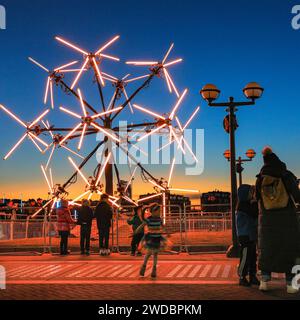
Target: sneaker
[(153, 274), (254, 281), (142, 271), (244, 282), (101, 252), (263, 286), (108, 252), (87, 253), (292, 290)]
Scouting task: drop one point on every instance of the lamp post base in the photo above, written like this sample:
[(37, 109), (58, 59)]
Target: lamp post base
[(233, 252)]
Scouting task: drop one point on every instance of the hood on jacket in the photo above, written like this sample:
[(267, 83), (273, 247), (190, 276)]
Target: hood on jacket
[(243, 192), (273, 166)]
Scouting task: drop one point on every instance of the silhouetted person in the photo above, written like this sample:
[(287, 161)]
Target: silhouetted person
[(103, 215), (85, 220), (135, 222), (246, 225), (279, 236), (64, 222)]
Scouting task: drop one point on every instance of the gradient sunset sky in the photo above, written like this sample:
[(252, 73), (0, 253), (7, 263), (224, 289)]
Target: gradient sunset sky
[(228, 43)]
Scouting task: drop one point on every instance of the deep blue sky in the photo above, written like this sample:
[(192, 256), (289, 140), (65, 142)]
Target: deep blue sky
[(228, 43)]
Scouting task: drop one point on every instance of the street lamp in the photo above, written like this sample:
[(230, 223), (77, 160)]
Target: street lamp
[(239, 168), (252, 91)]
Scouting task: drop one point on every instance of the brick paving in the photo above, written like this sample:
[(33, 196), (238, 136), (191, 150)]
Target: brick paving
[(180, 277)]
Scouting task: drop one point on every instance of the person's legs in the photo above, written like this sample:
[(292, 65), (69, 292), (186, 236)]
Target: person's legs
[(82, 237), (64, 242), (253, 264), (61, 242), (106, 235), (266, 276), (243, 268), (155, 259), (133, 244), (146, 259), (101, 238), (139, 238), (88, 238)]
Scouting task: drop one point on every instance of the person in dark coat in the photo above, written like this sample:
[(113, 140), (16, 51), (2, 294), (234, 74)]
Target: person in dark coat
[(279, 235), (64, 225), (135, 222), (246, 224), (103, 215), (85, 220)]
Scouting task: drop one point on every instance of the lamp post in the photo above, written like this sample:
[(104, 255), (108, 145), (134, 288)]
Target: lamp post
[(252, 91), (239, 162)]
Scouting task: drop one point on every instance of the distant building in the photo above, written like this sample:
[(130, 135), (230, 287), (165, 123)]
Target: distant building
[(215, 201), (174, 201)]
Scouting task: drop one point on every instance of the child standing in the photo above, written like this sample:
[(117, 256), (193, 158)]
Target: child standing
[(136, 222), (153, 239), (247, 225)]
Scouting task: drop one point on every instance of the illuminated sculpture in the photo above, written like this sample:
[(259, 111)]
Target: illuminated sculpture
[(91, 121)]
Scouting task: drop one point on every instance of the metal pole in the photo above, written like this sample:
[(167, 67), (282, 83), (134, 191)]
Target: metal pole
[(233, 249), (240, 172)]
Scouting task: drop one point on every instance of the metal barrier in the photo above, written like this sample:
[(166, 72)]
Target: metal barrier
[(185, 229)]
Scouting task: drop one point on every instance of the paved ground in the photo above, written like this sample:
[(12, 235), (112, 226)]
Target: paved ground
[(117, 277)]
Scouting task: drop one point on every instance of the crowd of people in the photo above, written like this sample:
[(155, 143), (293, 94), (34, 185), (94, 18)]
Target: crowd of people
[(146, 224), (267, 222)]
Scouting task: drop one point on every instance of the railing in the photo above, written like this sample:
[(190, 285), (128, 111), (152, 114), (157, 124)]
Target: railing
[(184, 228)]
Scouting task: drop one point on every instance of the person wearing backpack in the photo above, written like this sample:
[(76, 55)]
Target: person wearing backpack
[(278, 234)]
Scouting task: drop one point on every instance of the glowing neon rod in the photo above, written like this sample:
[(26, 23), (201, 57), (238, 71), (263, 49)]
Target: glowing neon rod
[(150, 197), (184, 190), (15, 146), (103, 169), (111, 101), (129, 103), (70, 150), (70, 112), (108, 44), (168, 53), (172, 83), (80, 73), (190, 149), (140, 150), (65, 66), (79, 171), (191, 118), (81, 196), (98, 72), (13, 116), (46, 178), (71, 70), (38, 118), (164, 208), (51, 95), (171, 172), (70, 133), (47, 90), (172, 62), (37, 212), (168, 82), (177, 140), (38, 64), (37, 146), (137, 78), (110, 76), (178, 104), (81, 102), (156, 115), (142, 63), (39, 139), (130, 180), (151, 133), (82, 136), (106, 112), (179, 124), (51, 177), (157, 185), (127, 75), (109, 57), (71, 45), (105, 132)]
